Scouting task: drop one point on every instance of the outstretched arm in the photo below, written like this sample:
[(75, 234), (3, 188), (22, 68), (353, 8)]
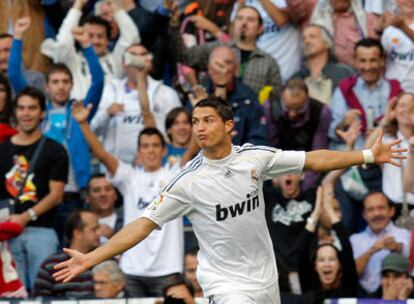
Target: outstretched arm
[(129, 236), (326, 160)]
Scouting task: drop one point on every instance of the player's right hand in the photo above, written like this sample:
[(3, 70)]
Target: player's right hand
[(71, 268)]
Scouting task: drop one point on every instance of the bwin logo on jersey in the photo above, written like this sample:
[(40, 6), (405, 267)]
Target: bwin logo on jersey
[(251, 203)]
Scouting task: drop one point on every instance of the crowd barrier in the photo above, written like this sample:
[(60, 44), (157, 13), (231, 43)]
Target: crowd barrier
[(94, 301), (367, 301)]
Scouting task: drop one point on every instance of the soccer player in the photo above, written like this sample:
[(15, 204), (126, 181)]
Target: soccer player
[(220, 191)]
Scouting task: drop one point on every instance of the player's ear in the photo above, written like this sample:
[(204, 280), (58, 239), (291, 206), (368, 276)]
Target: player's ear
[(229, 125)]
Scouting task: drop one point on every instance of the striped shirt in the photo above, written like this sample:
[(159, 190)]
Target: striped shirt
[(45, 285)]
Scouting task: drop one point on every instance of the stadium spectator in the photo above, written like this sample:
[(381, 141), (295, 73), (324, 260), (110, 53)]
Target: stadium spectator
[(345, 20), (147, 277), (297, 122), (396, 282), (101, 196), (34, 78), (335, 273), (82, 234), (37, 187), (287, 209), (177, 291), (250, 123), (10, 284), (190, 269), (153, 30), (279, 38), (398, 42), (363, 96), (379, 239), (321, 73), (324, 226), (109, 280), (130, 104), (178, 128), (397, 123), (58, 123), (257, 68), (6, 110), (63, 49)]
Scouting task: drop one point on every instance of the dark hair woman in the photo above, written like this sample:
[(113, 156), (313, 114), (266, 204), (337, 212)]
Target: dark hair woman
[(6, 110)]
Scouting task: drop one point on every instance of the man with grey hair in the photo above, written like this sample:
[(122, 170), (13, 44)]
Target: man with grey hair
[(250, 123), (321, 73), (109, 280)]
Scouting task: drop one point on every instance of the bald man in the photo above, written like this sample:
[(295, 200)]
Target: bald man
[(249, 120)]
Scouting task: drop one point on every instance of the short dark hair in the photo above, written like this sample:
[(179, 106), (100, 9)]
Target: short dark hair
[(193, 251), (35, 94), (389, 202), (149, 132), (260, 19), (7, 112), (5, 35), (58, 68), (296, 84), (221, 106), (74, 222), (98, 21), (172, 116), (368, 43), (93, 176)]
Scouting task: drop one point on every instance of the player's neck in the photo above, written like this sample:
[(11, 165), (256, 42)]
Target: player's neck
[(218, 152)]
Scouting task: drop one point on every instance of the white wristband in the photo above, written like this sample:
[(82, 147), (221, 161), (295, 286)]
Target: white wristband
[(368, 156)]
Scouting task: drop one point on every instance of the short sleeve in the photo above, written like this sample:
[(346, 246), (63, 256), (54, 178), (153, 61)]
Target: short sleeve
[(122, 176), (59, 162), (278, 162), (173, 202)]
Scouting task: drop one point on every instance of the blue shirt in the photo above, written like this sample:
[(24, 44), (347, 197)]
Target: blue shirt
[(374, 98), (361, 242)]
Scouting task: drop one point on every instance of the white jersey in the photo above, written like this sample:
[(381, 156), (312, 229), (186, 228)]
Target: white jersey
[(120, 132), (283, 43), (400, 56), (162, 252), (224, 201)]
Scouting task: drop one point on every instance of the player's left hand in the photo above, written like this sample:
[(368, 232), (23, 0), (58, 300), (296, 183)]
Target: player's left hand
[(387, 153)]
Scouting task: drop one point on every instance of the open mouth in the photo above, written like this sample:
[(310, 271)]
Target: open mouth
[(327, 275)]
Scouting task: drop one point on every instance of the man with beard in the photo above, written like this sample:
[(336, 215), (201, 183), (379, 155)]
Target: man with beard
[(257, 68), (380, 238)]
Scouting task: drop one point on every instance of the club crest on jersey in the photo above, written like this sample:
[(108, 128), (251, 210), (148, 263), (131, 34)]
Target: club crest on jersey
[(251, 203), (159, 200)]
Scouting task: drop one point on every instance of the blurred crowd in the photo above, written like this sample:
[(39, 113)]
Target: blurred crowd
[(95, 118)]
